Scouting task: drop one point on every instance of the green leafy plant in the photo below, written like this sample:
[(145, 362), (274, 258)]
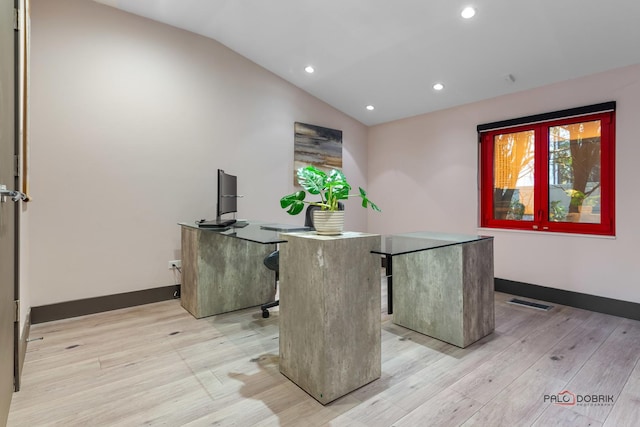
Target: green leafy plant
[(557, 212), (516, 211), (577, 197), (331, 187)]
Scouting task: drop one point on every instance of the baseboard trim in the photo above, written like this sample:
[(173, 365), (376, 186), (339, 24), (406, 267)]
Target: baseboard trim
[(630, 310), (65, 310), (68, 309)]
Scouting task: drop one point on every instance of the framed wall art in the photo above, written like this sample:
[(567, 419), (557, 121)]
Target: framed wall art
[(317, 146)]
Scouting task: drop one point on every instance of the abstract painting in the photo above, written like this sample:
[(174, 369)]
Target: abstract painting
[(317, 146)]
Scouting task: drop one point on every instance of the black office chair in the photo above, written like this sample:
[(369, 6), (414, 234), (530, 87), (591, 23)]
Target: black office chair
[(272, 261)]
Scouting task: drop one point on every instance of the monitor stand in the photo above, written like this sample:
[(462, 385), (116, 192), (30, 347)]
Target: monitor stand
[(216, 223)]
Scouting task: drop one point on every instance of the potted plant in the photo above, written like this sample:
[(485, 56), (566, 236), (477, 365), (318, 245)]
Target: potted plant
[(331, 187)]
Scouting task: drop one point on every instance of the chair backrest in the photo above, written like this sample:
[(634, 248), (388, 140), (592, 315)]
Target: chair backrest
[(308, 215), (272, 261)]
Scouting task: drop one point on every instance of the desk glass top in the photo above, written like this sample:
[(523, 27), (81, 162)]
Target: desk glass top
[(254, 231), (398, 244)]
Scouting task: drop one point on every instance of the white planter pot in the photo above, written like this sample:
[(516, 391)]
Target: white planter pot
[(328, 223), (585, 209)]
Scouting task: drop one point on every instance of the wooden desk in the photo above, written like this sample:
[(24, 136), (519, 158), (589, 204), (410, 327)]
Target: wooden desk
[(223, 270), (330, 312)]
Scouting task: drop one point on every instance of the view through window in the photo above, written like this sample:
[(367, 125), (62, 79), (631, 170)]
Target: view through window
[(550, 175)]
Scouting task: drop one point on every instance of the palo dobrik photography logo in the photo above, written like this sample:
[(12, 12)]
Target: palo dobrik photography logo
[(567, 398), (564, 398)]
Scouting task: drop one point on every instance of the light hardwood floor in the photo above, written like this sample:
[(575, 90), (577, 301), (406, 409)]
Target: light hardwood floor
[(157, 365)]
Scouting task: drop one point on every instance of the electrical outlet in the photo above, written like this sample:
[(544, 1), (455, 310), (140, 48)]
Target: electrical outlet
[(176, 263)]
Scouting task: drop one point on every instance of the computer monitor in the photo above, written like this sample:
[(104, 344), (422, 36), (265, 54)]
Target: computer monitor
[(227, 194)]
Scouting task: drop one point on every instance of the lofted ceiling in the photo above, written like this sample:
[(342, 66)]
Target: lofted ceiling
[(389, 53)]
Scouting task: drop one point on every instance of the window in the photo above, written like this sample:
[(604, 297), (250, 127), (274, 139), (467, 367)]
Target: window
[(551, 172)]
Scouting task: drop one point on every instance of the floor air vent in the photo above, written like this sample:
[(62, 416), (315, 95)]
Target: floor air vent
[(530, 304)]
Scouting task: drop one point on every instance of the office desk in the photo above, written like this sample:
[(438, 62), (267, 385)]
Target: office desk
[(223, 270), (441, 284), (330, 312)]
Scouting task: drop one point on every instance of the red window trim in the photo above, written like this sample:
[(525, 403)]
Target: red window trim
[(540, 222)]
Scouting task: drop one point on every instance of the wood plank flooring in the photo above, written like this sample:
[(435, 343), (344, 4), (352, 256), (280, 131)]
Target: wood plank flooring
[(157, 365)]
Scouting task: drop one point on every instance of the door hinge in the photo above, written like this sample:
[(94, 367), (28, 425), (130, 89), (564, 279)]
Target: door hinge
[(16, 168), (16, 19), (16, 310)]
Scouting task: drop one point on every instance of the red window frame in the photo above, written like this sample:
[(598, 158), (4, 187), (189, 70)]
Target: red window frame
[(541, 222)]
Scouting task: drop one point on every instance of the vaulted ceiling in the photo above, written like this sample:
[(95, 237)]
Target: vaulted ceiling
[(390, 53)]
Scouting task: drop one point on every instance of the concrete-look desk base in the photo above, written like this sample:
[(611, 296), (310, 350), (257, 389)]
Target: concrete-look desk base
[(221, 273), (446, 293), (330, 312)]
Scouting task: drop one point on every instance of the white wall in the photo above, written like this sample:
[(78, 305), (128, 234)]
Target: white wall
[(130, 119), (423, 172)]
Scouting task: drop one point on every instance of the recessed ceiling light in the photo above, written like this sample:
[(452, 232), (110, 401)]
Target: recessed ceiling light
[(309, 69), (438, 86), (370, 107), (468, 12)]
